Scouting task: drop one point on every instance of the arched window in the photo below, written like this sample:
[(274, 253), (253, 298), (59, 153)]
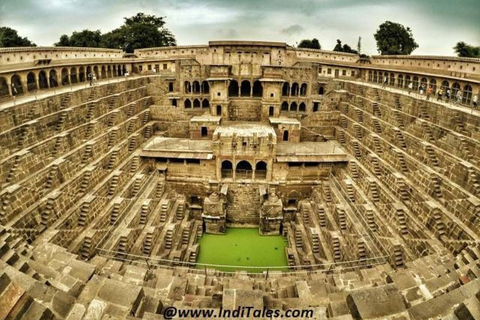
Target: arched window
[(227, 169), (205, 87), (196, 87), (467, 94), (392, 79), (17, 84), (42, 80), (243, 170), (415, 83), (3, 87), (73, 75), (233, 89), (424, 82), (245, 89), (95, 70), (257, 89), (286, 89), (433, 84), (380, 77), (65, 79), (295, 90), (104, 72), (445, 85), (261, 170), (303, 90), (187, 103), (455, 88), (321, 90), (187, 86), (370, 76), (81, 74), (375, 76), (109, 71), (89, 71), (284, 106), (400, 81), (302, 107), (31, 84), (196, 103), (407, 80), (205, 103), (293, 106)]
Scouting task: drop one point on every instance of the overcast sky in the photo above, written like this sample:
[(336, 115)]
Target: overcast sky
[(437, 24)]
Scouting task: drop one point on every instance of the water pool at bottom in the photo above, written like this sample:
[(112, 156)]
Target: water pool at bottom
[(242, 248)]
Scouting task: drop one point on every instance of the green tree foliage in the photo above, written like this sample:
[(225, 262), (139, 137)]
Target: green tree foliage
[(465, 50), (85, 38), (312, 44), (10, 38), (344, 48), (394, 38), (139, 31)]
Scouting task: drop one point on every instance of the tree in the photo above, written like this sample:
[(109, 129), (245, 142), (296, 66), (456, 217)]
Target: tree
[(338, 46), (359, 45), (344, 48), (140, 31), (465, 50), (10, 38), (312, 44), (394, 38), (84, 38)]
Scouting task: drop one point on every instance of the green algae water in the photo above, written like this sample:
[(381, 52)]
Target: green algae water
[(243, 248)]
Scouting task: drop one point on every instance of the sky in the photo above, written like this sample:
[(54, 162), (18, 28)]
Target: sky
[(437, 25)]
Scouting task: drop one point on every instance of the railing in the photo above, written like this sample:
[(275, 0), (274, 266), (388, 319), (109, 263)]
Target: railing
[(243, 174)]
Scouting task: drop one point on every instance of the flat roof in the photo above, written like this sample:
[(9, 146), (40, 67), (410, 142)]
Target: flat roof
[(165, 147), (247, 43), (245, 129), (283, 120), (309, 151), (205, 118)]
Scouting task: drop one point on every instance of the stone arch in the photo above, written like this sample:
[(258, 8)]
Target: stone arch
[(467, 94), (243, 170), (205, 87), (294, 91), (196, 87), (370, 75), (81, 74), (104, 72), (17, 84), (95, 70), (261, 170), (109, 71), (245, 88), (4, 87), (205, 103), (227, 169), (196, 103), (64, 76), (233, 89), (257, 89), (380, 77), (407, 80), (187, 86), (284, 106), (302, 107), (42, 80), (375, 76), (31, 83), (424, 82), (293, 106), (73, 75), (89, 70), (187, 103), (53, 78), (286, 89)]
